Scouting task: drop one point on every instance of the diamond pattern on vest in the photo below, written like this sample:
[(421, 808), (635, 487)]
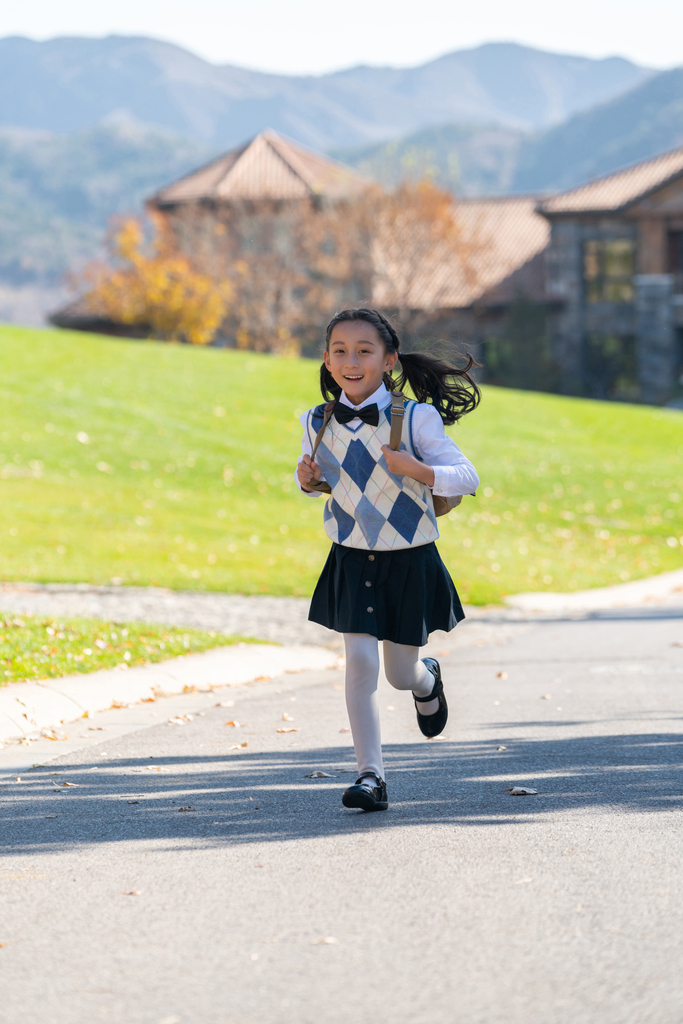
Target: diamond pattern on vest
[(359, 464), (345, 522), (370, 507), (405, 516), (332, 467), (370, 520)]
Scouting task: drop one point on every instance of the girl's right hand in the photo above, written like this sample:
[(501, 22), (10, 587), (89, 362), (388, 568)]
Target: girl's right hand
[(308, 471)]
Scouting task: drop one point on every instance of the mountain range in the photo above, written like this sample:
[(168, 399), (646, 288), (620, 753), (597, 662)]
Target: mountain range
[(69, 84)]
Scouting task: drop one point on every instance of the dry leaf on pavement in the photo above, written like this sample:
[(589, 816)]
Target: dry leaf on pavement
[(290, 729), (132, 892), (521, 791), (287, 718), (319, 775), (239, 746), (225, 704), (233, 723), (501, 675)]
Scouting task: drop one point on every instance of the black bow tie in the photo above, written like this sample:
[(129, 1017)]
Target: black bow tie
[(369, 414)]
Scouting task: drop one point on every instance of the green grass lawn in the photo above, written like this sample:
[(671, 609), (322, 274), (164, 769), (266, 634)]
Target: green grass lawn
[(144, 463), (33, 647)]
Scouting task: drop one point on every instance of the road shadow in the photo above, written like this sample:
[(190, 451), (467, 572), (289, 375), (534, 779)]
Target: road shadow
[(264, 797)]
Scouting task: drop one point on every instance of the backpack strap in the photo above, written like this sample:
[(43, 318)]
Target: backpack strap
[(397, 414), (328, 410), (321, 485)]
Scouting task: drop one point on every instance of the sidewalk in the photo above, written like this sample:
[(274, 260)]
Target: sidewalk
[(26, 709)]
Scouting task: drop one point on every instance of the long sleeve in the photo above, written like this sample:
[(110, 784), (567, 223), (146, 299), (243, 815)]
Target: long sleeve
[(306, 449), (453, 473)]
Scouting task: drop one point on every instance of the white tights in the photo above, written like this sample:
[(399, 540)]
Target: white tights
[(403, 669)]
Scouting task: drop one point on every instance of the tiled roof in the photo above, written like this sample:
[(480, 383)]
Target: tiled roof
[(505, 237), (615, 191), (268, 167)]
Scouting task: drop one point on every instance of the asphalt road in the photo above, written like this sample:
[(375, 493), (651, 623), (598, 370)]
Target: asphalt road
[(181, 878)]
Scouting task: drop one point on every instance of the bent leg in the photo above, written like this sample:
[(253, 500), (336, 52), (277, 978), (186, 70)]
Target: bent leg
[(362, 670), (405, 671)]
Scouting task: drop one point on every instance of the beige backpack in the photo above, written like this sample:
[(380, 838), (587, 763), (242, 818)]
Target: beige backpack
[(442, 506)]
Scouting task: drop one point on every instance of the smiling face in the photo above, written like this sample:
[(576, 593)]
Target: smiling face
[(358, 359)]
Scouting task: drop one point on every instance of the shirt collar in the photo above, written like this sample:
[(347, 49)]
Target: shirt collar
[(381, 397)]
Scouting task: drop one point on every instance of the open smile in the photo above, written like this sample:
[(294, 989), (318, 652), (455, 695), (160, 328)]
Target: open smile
[(356, 377)]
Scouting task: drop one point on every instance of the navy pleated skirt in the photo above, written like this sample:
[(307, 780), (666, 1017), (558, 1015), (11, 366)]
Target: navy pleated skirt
[(401, 596)]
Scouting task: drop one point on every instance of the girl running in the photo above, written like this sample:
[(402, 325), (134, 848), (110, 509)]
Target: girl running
[(384, 579)]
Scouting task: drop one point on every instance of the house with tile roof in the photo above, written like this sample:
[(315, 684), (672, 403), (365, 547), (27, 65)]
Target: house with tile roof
[(602, 262), (614, 278)]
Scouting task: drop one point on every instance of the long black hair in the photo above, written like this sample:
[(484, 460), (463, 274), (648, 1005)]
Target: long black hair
[(451, 389)]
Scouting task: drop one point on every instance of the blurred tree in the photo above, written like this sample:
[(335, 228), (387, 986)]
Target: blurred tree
[(157, 289)]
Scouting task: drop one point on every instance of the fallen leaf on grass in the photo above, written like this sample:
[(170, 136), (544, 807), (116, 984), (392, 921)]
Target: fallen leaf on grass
[(319, 775), (521, 791), (132, 892), (287, 718), (289, 729)]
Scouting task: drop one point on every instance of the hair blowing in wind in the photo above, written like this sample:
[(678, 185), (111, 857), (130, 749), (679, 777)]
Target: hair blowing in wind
[(451, 389)]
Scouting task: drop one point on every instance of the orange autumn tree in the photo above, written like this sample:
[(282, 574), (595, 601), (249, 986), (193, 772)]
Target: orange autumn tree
[(157, 289)]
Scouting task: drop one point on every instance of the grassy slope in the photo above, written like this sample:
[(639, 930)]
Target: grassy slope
[(186, 477), (32, 647)]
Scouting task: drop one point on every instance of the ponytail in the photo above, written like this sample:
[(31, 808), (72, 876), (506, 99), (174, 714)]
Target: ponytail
[(451, 390)]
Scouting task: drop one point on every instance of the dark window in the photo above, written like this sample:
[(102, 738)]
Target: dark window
[(675, 252), (608, 269), (610, 366)]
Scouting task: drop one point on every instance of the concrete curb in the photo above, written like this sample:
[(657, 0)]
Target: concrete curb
[(655, 590), (26, 709)]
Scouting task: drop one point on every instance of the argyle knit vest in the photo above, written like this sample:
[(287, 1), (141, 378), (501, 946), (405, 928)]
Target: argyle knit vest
[(370, 507)]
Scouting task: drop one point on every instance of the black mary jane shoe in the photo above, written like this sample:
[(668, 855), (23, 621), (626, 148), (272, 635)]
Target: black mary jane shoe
[(432, 725), (366, 799)]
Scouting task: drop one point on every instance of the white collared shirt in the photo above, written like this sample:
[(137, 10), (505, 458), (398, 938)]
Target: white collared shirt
[(453, 473)]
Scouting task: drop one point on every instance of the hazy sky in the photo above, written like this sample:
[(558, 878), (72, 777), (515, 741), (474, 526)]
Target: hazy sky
[(302, 36)]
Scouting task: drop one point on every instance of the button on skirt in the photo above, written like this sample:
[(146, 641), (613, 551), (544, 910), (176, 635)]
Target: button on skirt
[(401, 596)]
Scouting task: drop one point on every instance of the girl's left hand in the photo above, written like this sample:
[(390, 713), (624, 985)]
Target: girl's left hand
[(404, 464)]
